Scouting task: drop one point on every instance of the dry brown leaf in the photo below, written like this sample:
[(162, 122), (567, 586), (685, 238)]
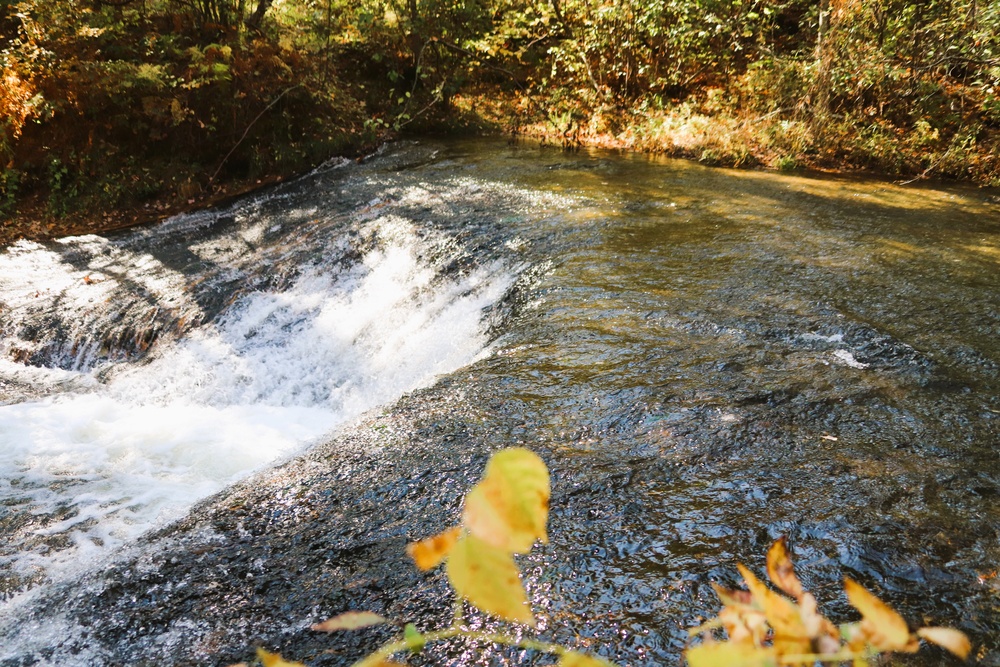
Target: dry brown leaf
[(350, 620), (884, 628), (430, 553), (948, 639), (780, 569)]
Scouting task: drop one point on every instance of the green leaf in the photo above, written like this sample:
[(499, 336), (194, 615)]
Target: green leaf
[(509, 508), (488, 578), (414, 640)]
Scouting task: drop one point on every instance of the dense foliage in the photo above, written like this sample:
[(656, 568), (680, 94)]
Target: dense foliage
[(107, 102)]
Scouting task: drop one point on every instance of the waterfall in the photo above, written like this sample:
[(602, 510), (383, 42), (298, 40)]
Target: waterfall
[(121, 439)]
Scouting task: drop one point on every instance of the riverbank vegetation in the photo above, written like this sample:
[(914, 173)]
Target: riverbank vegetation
[(149, 106)]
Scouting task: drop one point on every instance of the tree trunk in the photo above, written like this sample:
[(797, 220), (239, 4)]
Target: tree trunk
[(254, 20)]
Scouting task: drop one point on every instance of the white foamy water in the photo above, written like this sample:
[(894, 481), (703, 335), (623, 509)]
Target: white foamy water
[(102, 463)]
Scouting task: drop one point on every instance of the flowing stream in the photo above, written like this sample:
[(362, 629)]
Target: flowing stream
[(221, 429)]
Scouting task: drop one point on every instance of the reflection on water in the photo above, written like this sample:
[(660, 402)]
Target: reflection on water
[(707, 359)]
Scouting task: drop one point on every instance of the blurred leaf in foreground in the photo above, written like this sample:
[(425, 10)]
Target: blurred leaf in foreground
[(509, 508), (882, 627), (575, 659), (948, 639), (488, 578), (429, 553), (780, 569), (351, 620), (269, 659)]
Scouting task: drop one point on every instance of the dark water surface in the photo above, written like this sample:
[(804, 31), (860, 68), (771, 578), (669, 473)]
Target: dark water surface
[(706, 359)]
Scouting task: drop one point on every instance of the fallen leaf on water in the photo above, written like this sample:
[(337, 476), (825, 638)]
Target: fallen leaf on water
[(351, 620), (429, 553)]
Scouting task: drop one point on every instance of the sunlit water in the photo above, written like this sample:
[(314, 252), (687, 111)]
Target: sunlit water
[(707, 359)]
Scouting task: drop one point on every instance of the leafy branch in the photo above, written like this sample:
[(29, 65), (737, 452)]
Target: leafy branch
[(507, 512)]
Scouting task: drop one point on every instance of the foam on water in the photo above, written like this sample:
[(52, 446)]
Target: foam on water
[(100, 464)]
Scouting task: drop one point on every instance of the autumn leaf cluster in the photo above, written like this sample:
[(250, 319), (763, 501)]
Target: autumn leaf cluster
[(766, 628), (506, 513)]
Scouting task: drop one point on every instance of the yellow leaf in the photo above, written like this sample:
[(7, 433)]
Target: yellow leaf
[(488, 578), (884, 628), (824, 634), (574, 659), (744, 625), (731, 597), (269, 659), (373, 661), (948, 639), (790, 634), (724, 654), (351, 620), (510, 506), (429, 553), (780, 569)]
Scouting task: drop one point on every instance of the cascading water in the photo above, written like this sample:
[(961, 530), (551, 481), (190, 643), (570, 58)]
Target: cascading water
[(157, 378)]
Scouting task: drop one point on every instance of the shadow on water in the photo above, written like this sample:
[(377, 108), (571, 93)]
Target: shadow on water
[(706, 360)]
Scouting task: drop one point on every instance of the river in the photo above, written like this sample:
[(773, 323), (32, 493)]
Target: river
[(221, 429)]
